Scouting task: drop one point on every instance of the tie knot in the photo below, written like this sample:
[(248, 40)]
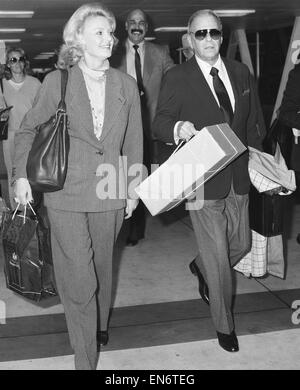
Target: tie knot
[(135, 47), (214, 72)]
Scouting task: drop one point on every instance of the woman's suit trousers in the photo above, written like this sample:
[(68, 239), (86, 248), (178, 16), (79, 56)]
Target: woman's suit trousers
[(82, 248)]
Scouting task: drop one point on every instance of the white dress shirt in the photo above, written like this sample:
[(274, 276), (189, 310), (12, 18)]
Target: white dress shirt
[(206, 68), (130, 57)]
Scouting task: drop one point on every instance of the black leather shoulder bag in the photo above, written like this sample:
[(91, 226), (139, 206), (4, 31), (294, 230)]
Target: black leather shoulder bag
[(47, 162)]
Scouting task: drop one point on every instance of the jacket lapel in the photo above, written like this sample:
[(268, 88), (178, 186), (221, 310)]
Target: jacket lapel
[(79, 100), (233, 77), (114, 101), (198, 83)]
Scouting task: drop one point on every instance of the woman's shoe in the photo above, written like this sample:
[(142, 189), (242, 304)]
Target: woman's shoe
[(229, 342), (102, 338)]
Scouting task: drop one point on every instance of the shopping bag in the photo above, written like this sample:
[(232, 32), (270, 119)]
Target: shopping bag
[(27, 255), (272, 167), (186, 170), (266, 256), (270, 180)]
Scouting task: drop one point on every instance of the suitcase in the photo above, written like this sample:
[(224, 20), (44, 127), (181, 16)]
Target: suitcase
[(28, 263), (266, 213)]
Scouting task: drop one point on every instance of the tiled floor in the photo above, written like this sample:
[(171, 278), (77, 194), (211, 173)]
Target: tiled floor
[(158, 320)]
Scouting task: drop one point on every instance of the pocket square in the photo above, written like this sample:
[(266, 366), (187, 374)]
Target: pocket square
[(246, 92)]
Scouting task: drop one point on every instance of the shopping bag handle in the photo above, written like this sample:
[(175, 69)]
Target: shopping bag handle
[(24, 215), (178, 146)]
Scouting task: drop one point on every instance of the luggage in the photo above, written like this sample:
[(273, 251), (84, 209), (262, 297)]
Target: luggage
[(266, 213), (27, 254)]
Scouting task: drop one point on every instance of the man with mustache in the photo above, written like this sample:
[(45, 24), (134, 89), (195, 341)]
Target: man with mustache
[(147, 63)]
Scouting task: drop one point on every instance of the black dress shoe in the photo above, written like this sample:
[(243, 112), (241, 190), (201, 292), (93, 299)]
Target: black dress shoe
[(203, 288), (130, 242), (229, 342), (102, 338)]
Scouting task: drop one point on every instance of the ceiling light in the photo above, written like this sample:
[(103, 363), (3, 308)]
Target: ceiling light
[(11, 40), (12, 30), (38, 35), (16, 14), (43, 56), (41, 70), (220, 12), (229, 13), (169, 29)]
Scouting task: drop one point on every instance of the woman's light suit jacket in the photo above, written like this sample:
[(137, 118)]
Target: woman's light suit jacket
[(97, 176)]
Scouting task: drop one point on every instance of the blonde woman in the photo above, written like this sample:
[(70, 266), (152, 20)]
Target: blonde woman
[(103, 109)]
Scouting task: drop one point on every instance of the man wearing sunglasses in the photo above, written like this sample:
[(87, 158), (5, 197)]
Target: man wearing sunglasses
[(208, 90)]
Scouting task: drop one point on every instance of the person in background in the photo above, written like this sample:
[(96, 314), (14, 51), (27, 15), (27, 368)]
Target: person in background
[(208, 90), (19, 91), (289, 115), (147, 63), (105, 126), (187, 50)]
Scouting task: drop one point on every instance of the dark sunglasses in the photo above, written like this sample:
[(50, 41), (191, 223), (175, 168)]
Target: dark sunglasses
[(14, 60), (201, 34)]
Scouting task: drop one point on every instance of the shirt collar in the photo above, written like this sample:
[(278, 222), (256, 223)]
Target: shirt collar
[(94, 74), (130, 45), (206, 67)]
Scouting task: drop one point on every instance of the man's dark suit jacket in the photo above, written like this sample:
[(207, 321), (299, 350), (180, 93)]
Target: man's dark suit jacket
[(289, 115), (186, 96), (290, 106)]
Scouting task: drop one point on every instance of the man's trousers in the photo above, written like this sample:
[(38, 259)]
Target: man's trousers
[(223, 236)]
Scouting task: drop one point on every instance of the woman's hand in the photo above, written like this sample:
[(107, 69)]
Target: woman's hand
[(130, 207), (22, 191)]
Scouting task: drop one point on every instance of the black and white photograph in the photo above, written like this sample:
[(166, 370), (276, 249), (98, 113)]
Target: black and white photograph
[(149, 188)]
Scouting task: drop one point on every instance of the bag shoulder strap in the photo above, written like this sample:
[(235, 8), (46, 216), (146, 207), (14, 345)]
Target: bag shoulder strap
[(2, 90), (64, 80)]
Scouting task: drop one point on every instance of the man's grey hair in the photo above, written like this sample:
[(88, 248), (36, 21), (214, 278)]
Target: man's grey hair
[(204, 12)]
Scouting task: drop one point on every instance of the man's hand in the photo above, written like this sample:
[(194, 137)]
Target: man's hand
[(130, 207), (186, 130)]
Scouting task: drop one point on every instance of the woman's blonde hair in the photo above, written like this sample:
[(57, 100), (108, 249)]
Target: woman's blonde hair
[(71, 51)]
